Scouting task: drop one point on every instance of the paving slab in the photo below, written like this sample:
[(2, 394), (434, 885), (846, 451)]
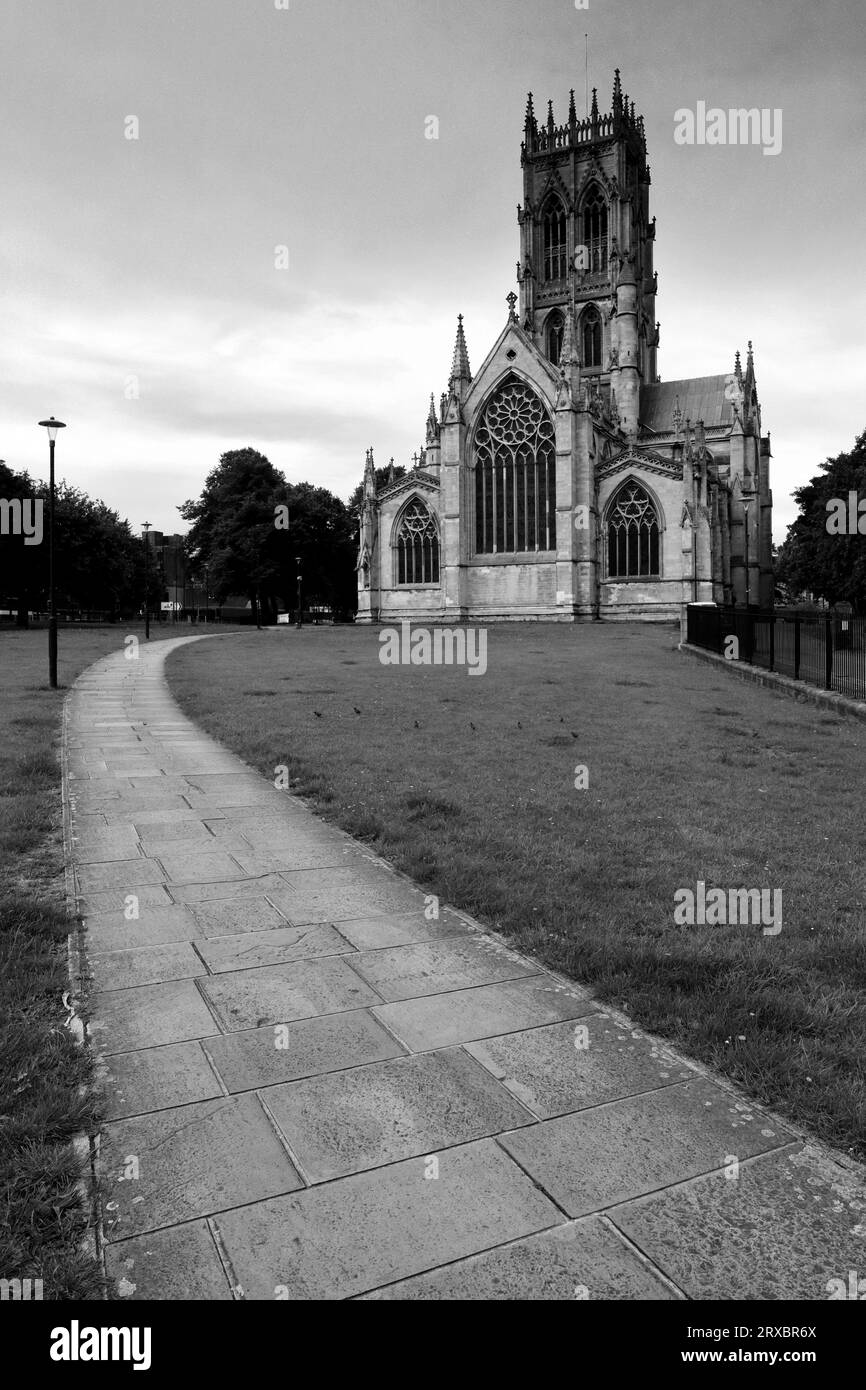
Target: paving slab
[(126, 874), (277, 946), (322, 895), (401, 929), (597, 1158), (195, 866), (236, 915), (113, 931), (272, 1054), (115, 899), (786, 1226), (222, 889), (146, 965), (570, 1066), (308, 855), (155, 1077), (177, 1164), (126, 1019), (484, 1011), (174, 1265), (360, 1232), (584, 1260), (351, 1120), (280, 993), (408, 972)]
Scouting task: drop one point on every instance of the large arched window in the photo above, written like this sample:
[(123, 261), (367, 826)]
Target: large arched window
[(632, 535), (515, 473), (553, 227), (591, 337), (595, 228), (554, 327), (416, 546)]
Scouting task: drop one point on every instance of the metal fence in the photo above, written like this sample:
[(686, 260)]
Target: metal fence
[(826, 649)]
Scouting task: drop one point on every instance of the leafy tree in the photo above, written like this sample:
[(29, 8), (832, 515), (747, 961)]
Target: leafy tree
[(812, 560), (235, 533), (98, 562)]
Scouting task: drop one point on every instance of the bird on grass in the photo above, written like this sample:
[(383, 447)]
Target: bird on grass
[(519, 725), (417, 725), (573, 734), (355, 708), (317, 713), (472, 726)]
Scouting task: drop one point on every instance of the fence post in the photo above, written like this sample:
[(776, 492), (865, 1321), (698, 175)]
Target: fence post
[(828, 653), (772, 638), (796, 646)]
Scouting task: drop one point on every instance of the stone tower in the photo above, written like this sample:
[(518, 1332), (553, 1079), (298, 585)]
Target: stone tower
[(586, 241)]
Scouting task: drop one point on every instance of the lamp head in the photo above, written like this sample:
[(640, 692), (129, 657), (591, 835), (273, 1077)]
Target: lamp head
[(52, 426)]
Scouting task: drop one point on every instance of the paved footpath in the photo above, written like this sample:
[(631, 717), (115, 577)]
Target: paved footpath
[(315, 1089)]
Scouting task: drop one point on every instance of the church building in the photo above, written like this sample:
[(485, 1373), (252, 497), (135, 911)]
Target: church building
[(566, 480)]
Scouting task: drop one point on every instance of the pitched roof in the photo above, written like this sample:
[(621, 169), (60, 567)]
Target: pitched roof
[(700, 398)]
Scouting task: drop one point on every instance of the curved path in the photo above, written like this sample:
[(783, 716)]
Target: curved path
[(317, 1087)]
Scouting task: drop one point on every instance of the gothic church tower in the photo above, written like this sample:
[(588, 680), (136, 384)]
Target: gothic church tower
[(584, 229)]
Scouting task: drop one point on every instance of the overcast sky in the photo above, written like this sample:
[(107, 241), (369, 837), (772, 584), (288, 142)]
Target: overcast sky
[(148, 265)]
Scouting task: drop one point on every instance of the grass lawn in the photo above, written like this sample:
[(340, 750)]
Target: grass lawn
[(467, 783), (42, 1070)]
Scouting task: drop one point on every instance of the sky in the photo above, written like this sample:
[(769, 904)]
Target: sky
[(143, 298)]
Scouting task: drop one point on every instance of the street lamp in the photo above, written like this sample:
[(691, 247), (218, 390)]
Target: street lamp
[(300, 610), (146, 525), (52, 426), (748, 587)]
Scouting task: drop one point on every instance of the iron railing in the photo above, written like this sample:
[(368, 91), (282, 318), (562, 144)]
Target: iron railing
[(825, 649)]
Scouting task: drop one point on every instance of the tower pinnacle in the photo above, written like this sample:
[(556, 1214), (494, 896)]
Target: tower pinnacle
[(460, 363)]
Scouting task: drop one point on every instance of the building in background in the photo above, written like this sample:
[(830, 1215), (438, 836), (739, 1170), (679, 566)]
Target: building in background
[(565, 480)]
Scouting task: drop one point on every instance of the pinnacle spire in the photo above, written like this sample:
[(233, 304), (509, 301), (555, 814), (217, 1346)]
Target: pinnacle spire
[(530, 114), (551, 125), (432, 422), (617, 92), (594, 112), (750, 360), (572, 109), (460, 362), (738, 369)]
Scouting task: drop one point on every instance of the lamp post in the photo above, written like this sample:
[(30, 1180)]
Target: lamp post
[(300, 610), (748, 585), (52, 426), (146, 525)]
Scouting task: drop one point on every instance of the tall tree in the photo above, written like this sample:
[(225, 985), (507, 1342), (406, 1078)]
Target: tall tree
[(815, 560), (249, 525)]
